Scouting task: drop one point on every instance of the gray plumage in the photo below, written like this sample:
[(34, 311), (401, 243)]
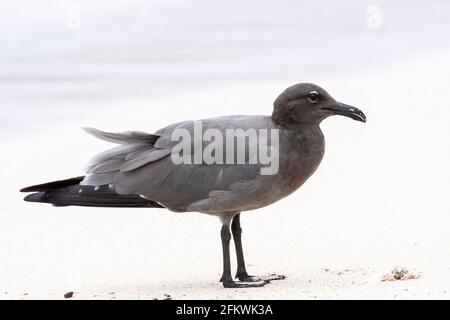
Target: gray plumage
[(218, 188), (141, 166)]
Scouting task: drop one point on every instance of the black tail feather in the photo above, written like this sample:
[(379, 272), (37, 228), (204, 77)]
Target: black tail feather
[(54, 185), (70, 193)]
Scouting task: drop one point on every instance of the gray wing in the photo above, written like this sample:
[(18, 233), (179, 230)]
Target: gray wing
[(142, 165), (135, 150)]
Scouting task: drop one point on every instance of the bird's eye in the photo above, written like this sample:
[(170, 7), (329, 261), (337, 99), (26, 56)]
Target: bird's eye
[(313, 96)]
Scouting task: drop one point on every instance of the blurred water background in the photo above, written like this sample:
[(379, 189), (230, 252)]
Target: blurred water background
[(63, 60)]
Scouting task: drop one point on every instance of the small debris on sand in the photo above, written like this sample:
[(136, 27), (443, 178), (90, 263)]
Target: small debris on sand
[(68, 295), (165, 296), (339, 272), (400, 274)]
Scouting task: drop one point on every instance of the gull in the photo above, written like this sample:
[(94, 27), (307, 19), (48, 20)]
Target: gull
[(141, 172)]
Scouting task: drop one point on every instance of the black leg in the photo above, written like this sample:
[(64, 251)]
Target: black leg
[(226, 279), (226, 237), (237, 232), (241, 273)]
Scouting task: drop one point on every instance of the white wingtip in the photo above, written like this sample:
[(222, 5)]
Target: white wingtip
[(90, 130), (105, 136)]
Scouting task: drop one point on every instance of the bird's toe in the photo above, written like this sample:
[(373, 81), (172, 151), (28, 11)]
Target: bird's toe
[(242, 284), (249, 278)]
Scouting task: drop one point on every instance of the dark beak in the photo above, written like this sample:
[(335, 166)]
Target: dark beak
[(347, 111)]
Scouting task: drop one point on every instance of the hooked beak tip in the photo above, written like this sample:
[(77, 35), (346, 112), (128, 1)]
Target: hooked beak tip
[(348, 111)]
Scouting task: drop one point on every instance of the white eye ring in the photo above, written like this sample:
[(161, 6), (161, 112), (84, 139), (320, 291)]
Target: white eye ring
[(313, 96)]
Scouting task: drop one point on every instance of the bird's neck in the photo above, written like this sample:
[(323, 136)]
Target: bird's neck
[(304, 137), (303, 147)]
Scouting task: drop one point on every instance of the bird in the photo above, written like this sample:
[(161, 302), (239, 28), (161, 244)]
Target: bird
[(141, 172)]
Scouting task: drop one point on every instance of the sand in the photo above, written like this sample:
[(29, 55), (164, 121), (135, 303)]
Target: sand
[(379, 201), (385, 207)]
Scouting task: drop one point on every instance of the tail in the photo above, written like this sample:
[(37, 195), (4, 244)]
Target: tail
[(69, 192)]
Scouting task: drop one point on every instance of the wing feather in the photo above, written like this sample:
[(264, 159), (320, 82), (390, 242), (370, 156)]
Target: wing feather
[(127, 137)]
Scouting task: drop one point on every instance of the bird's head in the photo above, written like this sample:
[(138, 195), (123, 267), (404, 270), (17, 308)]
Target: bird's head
[(309, 103)]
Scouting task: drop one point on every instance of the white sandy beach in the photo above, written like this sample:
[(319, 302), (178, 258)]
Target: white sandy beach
[(378, 201)]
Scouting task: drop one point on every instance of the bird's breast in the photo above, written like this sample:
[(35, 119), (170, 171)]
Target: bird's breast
[(300, 154)]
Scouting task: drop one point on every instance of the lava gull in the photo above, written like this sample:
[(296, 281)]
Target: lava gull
[(192, 166)]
